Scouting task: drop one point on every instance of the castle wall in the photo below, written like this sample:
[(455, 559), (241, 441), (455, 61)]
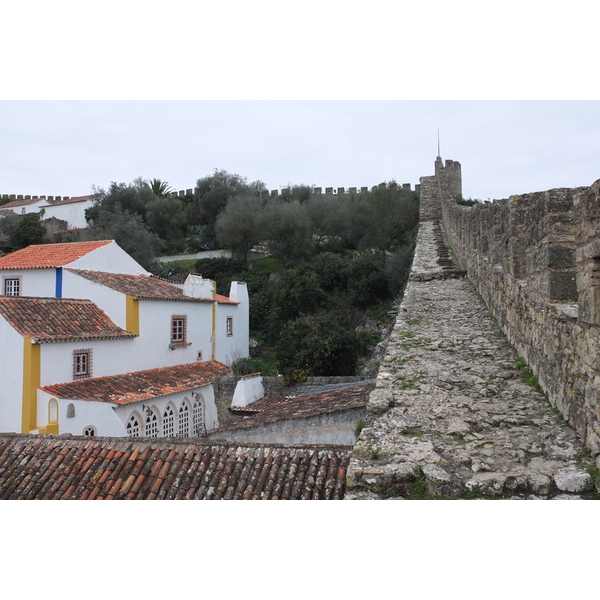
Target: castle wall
[(535, 260)]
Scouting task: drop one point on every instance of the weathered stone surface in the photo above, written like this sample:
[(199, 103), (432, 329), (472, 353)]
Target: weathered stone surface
[(571, 481), (451, 415)]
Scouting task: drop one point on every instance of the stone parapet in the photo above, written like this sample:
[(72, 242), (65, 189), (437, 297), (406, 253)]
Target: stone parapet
[(535, 260), (451, 416)]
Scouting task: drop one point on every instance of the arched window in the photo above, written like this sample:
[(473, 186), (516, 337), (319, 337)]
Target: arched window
[(53, 410), (184, 419), (169, 422), (133, 426), (151, 429), (198, 416), (90, 430)]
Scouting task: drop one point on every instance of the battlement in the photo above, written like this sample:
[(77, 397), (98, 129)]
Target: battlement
[(192, 191), (16, 197)]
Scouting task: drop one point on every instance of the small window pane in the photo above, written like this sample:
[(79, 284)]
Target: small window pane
[(168, 422), (12, 287), (133, 427)]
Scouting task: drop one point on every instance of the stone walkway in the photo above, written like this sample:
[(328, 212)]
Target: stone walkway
[(452, 415)]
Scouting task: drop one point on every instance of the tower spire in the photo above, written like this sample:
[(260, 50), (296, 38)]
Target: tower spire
[(439, 154)]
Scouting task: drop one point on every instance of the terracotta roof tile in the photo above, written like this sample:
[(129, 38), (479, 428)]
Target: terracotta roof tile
[(59, 319), (48, 467), (23, 202), (275, 408), (142, 287), (140, 385), (73, 200), (47, 256)]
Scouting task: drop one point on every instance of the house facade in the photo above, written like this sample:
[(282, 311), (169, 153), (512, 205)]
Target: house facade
[(93, 344), (70, 210)]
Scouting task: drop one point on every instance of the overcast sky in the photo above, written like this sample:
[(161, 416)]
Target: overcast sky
[(504, 147), (325, 93)]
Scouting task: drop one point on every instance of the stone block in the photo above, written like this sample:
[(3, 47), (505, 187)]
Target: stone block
[(574, 482)]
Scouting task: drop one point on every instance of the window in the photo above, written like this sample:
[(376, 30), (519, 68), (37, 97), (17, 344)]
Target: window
[(198, 417), (168, 422), (178, 331), (12, 287), (229, 326), (82, 364), (184, 420), (151, 425), (133, 426), (90, 430)]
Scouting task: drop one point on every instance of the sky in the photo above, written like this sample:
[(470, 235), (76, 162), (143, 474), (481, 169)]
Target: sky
[(64, 147), (325, 93)]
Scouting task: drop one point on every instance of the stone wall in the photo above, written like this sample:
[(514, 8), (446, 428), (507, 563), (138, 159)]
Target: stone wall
[(535, 260)]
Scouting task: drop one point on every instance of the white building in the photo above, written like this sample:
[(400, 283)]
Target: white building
[(93, 344), (71, 210)]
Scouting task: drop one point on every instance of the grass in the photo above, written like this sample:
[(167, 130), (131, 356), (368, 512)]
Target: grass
[(527, 375), (360, 425), (266, 265)]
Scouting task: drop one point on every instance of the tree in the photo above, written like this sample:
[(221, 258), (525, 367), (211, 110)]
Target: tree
[(317, 346), (211, 196), (29, 230), (131, 197), (287, 229), (130, 232), (238, 225), (160, 188), (166, 218), (299, 292)]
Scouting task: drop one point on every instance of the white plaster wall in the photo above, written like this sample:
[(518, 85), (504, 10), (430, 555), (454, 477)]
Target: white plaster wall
[(155, 333), (159, 405), (109, 357), (101, 415), (248, 390), (73, 213), (110, 258), (11, 376), (335, 428), (230, 348), (113, 303), (34, 207), (39, 283)]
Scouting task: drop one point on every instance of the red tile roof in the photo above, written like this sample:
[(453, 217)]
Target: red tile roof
[(45, 467), (45, 256), (143, 287), (23, 202), (59, 319), (141, 385), (73, 200), (276, 408)]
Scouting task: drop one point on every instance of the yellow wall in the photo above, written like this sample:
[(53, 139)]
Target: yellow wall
[(132, 318), (31, 382)]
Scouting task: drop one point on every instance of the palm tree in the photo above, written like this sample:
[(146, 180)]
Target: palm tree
[(160, 188)]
